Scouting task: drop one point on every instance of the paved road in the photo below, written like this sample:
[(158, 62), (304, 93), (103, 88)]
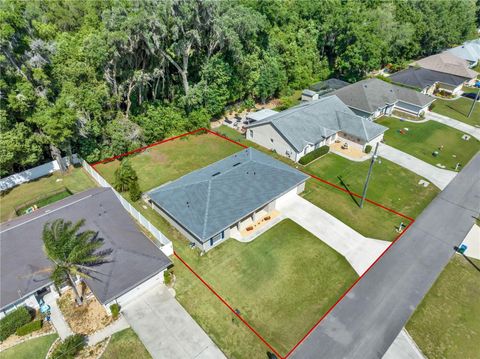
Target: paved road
[(439, 177), (359, 251), (461, 126), (369, 318), (166, 329)]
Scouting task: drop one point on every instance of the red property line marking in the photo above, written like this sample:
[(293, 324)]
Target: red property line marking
[(346, 292), (227, 305), (312, 176)]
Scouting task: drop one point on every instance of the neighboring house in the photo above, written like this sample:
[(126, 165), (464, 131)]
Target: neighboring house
[(428, 81), (228, 195), (372, 98), (469, 51), (260, 115), (309, 95), (299, 130), (133, 265), (448, 63), (329, 85)]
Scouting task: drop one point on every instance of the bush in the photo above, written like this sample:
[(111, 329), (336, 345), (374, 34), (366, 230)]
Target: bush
[(134, 191), (29, 328), (125, 176), (309, 157), (368, 148), (115, 310), (14, 320), (167, 277), (69, 347)]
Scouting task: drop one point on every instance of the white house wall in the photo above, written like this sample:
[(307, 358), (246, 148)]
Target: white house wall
[(266, 136)]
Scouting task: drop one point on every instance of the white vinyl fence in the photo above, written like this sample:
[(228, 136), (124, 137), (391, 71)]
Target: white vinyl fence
[(33, 173), (163, 243)]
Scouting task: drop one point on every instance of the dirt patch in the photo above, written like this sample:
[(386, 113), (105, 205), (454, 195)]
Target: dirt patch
[(87, 318), (158, 156), (14, 339), (92, 352)]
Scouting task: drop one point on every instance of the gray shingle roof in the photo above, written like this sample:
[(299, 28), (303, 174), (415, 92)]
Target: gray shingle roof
[(372, 94), (448, 63), (420, 78), (25, 268), (260, 115), (311, 122), (211, 199), (469, 51)]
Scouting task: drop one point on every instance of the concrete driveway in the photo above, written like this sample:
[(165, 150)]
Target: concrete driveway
[(461, 126), (439, 177), (360, 251), (166, 329)]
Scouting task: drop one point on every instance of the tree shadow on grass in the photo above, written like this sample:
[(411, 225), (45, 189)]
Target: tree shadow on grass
[(457, 110), (467, 259), (352, 196)]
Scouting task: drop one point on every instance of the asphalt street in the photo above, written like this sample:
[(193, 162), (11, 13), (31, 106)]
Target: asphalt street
[(366, 322)]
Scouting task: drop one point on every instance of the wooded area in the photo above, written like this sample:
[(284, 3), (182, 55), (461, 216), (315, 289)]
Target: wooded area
[(103, 77)]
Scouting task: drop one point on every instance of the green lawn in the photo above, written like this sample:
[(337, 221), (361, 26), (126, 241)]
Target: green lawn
[(446, 324), (75, 180), (422, 139), (125, 344), (173, 159), (282, 282), (31, 349), (458, 110)]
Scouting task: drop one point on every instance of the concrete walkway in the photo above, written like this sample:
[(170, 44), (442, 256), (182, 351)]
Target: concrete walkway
[(461, 126), (439, 177), (117, 326), (166, 329), (359, 251), (472, 240), (403, 347), (62, 327)]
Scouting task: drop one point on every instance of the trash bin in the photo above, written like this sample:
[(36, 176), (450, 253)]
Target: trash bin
[(462, 248)]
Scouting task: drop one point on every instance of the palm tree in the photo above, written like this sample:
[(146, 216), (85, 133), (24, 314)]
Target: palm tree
[(72, 252)]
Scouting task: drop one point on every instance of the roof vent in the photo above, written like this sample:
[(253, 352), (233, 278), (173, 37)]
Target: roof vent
[(236, 164), (216, 174)]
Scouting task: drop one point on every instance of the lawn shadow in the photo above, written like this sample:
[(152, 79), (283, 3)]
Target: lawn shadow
[(342, 182), (457, 110), (467, 259)]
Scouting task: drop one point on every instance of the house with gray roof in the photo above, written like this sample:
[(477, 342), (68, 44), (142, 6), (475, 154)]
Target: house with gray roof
[(449, 63), (428, 81), (208, 204), (469, 51), (134, 263), (372, 98), (301, 129)]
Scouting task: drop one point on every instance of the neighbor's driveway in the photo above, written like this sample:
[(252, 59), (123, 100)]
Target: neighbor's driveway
[(166, 329), (461, 126), (439, 177), (360, 251)]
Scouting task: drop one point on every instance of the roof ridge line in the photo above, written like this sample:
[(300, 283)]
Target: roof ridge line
[(206, 210)]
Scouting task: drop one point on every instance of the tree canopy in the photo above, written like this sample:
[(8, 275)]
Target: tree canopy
[(103, 77)]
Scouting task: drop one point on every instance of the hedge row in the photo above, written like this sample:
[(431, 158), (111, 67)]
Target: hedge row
[(29, 328), (14, 320), (309, 157)]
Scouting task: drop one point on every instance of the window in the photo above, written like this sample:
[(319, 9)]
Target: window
[(217, 238), (251, 133)]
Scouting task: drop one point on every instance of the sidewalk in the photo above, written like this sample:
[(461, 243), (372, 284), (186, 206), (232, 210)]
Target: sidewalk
[(465, 128), (62, 327), (118, 325), (439, 177)]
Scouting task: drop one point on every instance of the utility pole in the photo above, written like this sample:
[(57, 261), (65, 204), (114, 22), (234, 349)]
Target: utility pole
[(474, 102), (364, 194)]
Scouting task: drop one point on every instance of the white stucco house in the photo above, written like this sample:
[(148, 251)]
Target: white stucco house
[(301, 129)]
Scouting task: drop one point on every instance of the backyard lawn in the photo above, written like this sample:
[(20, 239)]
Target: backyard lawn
[(458, 110), (171, 160), (75, 180), (125, 344), (31, 349), (446, 324), (422, 139), (282, 282)]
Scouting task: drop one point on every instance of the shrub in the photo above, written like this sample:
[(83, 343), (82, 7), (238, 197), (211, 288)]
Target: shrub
[(368, 148), (309, 157), (125, 176), (69, 347), (167, 277), (134, 191), (115, 310), (14, 320), (29, 327)]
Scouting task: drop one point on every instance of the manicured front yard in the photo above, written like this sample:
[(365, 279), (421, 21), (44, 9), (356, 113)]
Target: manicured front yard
[(31, 349), (422, 139), (446, 324), (282, 282), (458, 110), (75, 180), (125, 344)]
